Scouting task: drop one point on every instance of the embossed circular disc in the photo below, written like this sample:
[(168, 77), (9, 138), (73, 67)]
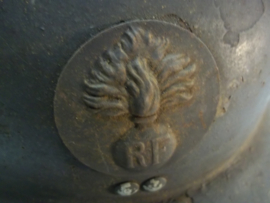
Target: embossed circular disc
[(136, 98)]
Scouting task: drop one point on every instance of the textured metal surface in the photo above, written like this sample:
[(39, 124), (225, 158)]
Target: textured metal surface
[(38, 37), (136, 95), (247, 180)]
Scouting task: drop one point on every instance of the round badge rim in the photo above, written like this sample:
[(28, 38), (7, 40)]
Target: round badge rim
[(96, 37)]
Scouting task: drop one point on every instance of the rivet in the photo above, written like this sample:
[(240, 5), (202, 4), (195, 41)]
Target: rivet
[(127, 188), (154, 184)]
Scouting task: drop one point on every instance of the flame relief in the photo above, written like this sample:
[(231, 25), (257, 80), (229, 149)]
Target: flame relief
[(138, 76)]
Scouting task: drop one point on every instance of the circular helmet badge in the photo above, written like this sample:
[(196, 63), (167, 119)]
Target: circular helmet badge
[(136, 97)]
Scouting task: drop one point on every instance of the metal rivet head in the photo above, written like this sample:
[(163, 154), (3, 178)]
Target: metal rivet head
[(154, 184), (127, 189)]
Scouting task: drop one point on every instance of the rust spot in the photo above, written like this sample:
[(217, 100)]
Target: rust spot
[(202, 120)]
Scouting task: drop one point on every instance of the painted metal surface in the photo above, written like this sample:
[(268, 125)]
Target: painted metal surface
[(37, 38)]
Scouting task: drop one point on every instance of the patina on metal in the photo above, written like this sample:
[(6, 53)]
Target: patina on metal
[(227, 161), (136, 98)]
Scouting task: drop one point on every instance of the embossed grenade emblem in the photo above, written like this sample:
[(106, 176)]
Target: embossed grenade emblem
[(139, 76)]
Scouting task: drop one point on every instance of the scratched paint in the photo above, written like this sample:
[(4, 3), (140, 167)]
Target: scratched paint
[(239, 16)]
